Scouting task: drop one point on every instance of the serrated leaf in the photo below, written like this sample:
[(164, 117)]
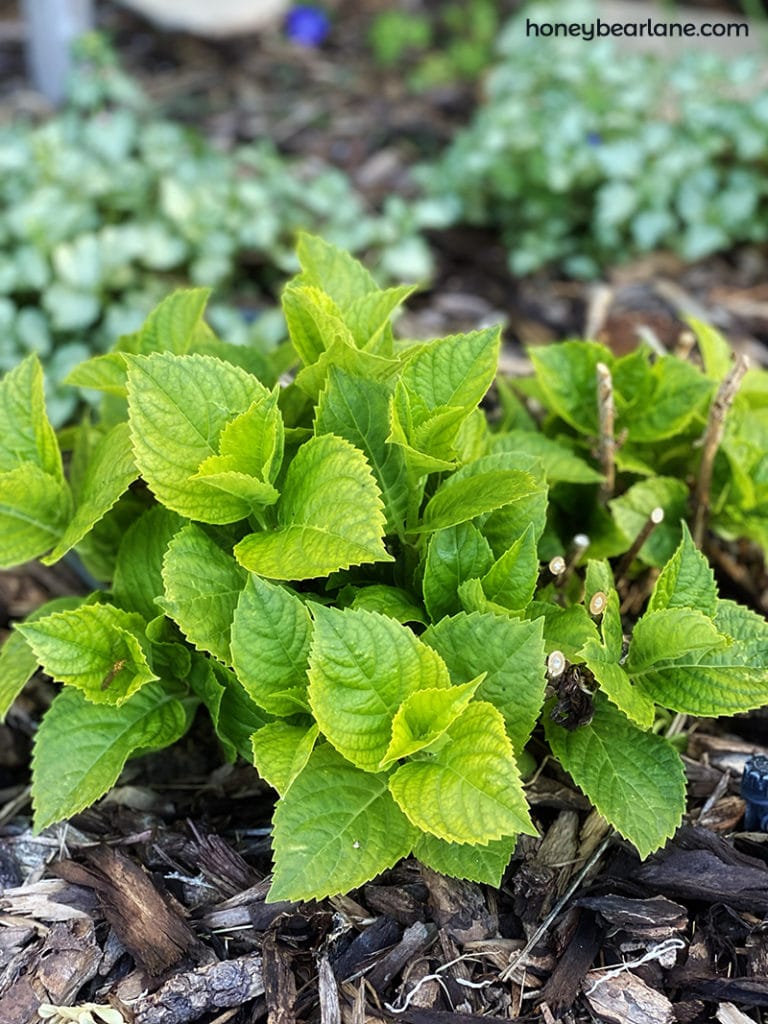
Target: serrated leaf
[(81, 748), (106, 373), (686, 581), (281, 750), (455, 554), (455, 371), (392, 601), (178, 407), (369, 317), (97, 648), (362, 666), (202, 587), (560, 463), (355, 408), (565, 629), (669, 657), (314, 321), (336, 828), (109, 471), (484, 864), (237, 717), (426, 438), (511, 580), (332, 269), (18, 662), (270, 646), (635, 779), (26, 435), (34, 510), (176, 323), (566, 374), (329, 516), (424, 716), (137, 580), (340, 351), (460, 499), (469, 791), (511, 654), (674, 394), (631, 511), (716, 353)]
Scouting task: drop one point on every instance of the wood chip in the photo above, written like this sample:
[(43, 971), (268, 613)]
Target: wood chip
[(626, 999), (187, 996)]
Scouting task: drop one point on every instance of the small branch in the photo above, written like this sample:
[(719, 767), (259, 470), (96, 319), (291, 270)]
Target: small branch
[(713, 435), (650, 524), (606, 417)]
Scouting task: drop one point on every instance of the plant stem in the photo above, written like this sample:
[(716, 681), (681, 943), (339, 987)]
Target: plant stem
[(606, 417), (650, 524), (711, 442)]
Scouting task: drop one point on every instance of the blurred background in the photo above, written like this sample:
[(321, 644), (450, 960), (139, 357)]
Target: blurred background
[(561, 184)]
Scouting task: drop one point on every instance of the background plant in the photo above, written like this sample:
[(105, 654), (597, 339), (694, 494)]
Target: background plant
[(344, 572), (583, 156)]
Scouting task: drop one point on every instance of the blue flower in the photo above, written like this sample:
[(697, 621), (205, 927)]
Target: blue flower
[(594, 138), (307, 25)]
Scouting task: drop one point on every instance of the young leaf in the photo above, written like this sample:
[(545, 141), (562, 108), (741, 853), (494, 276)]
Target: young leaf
[(202, 587), (235, 717), (137, 580), (565, 629), (270, 646), (455, 371), (281, 751), (716, 353), (461, 498), (511, 580), (427, 438), (686, 581), (485, 864), (424, 716), (355, 408), (34, 509), (178, 407), (567, 376), (469, 791), (510, 653), (675, 393), (176, 324), (635, 779), (362, 666), (314, 321), (80, 747), (97, 648), (336, 828), (334, 270), (391, 601), (109, 471), (632, 509), (560, 463), (26, 436), (329, 516), (710, 667), (454, 554)]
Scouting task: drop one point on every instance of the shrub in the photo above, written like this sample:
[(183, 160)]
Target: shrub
[(345, 573)]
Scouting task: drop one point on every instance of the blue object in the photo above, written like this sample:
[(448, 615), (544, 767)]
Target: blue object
[(594, 139), (754, 789), (307, 25)]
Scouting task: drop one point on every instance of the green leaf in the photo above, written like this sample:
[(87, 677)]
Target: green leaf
[(485, 864), (336, 828), (511, 654), (202, 588), (424, 716), (178, 407), (392, 601), (462, 498), (332, 269), (559, 462), (674, 395), (685, 664), (631, 511), (362, 666), (565, 629), (426, 438), (686, 581), (176, 323), (329, 516), (511, 580), (270, 646), (237, 717), (109, 471), (97, 648), (137, 580), (315, 322), (455, 371), (18, 662), (26, 436), (455, 554), (80, 748), (369, 317), (281, 751), (356, 409), (34, 509), (469, 791), (567, 376), (716, 353), (635, 779), (106, 373)]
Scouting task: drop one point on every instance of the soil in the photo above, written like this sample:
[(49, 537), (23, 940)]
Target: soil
[(152, 903)]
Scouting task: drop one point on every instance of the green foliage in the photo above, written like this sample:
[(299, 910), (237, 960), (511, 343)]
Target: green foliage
[(267, 552), (583, 155)]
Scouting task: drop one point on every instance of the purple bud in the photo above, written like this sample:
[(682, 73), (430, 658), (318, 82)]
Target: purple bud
[(307, 25)]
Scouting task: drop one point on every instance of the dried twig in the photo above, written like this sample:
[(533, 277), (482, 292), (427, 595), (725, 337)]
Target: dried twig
[(711, 442), (606, 418), (656, 516)]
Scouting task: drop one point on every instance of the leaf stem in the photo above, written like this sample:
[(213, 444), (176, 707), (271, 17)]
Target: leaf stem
[(606, 413), (713, 435)]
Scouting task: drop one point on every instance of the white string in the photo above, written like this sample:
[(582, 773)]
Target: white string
[(657, 952)]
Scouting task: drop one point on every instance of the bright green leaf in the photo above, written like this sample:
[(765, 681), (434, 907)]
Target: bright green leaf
[(34, 510), (281, 751), (137, 580), (454, 554), (26, 436), (485, 864), (511, 580), (686, 581), (424, 716)]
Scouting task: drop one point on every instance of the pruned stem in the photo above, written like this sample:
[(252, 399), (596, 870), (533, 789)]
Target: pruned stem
[(606, 417), (713, 435), (650, 524)]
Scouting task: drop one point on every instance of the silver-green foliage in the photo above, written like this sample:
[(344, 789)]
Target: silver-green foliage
[(584, 155), (272, 556)]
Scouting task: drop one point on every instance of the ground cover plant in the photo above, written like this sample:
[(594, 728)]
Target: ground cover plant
[(346, 573), (584, 156)]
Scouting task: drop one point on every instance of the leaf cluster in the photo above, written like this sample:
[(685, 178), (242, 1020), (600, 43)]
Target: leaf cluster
[(344, 573), (584, 157)]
